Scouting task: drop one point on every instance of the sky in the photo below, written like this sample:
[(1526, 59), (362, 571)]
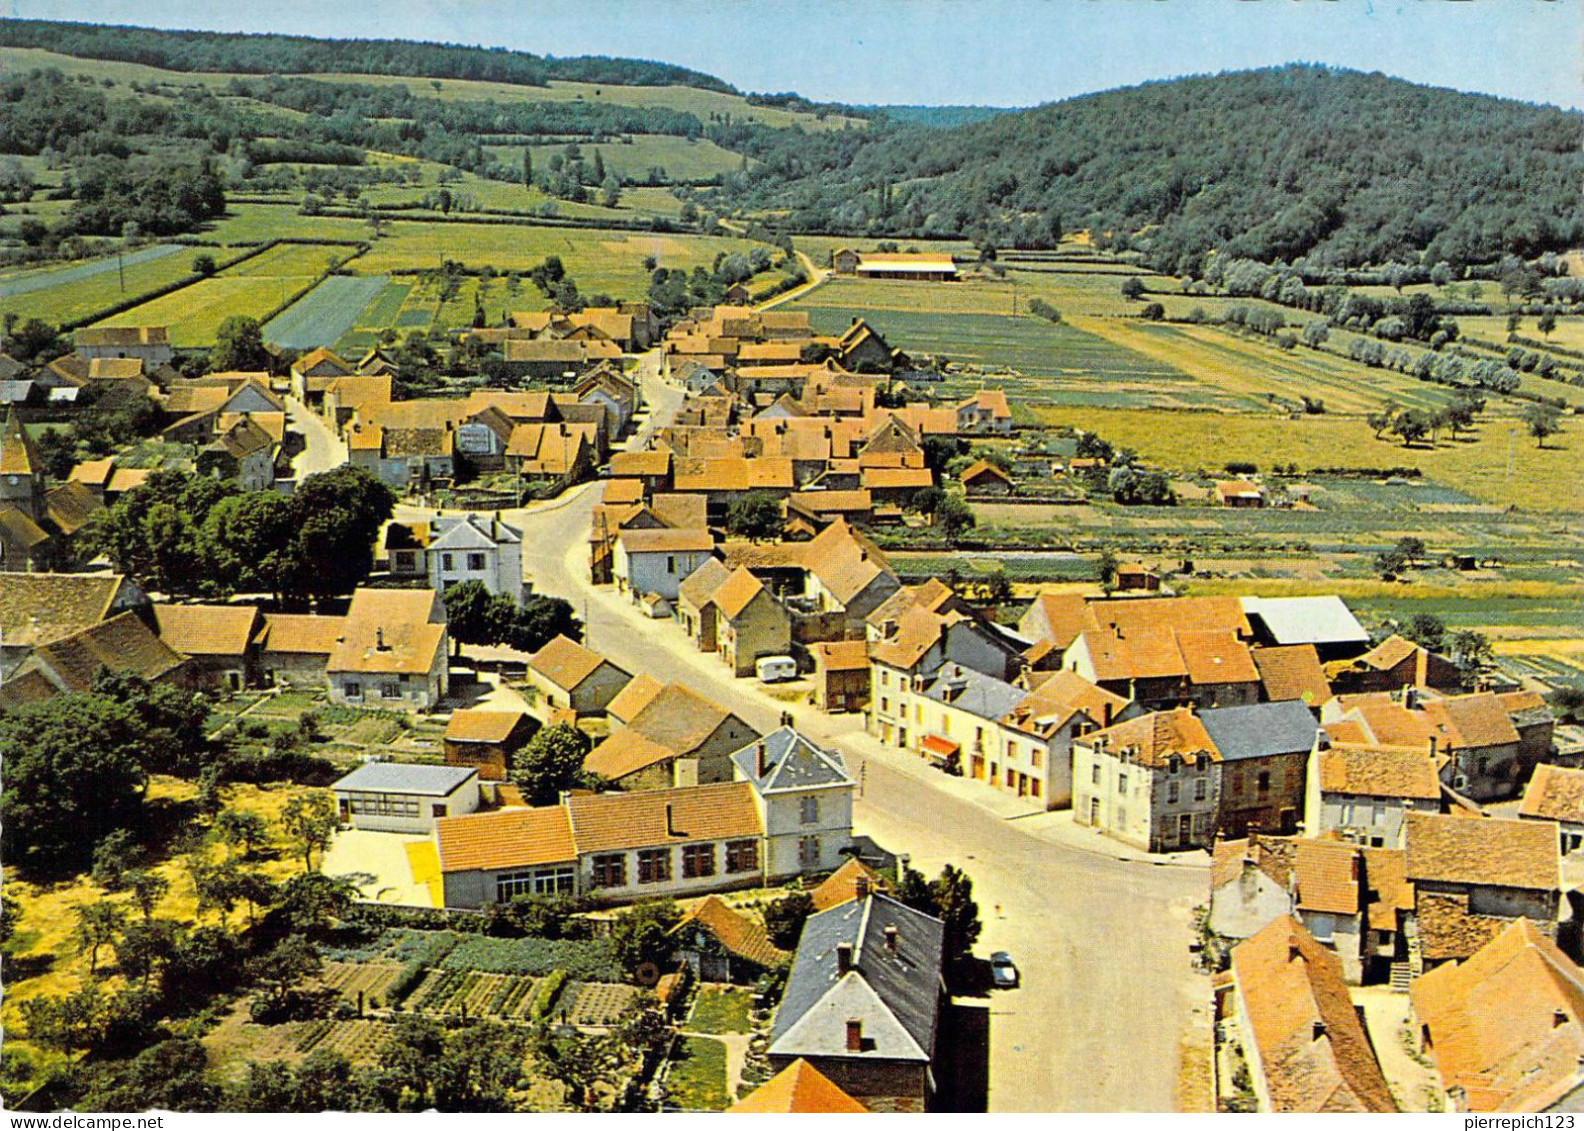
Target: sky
[(952, 52)]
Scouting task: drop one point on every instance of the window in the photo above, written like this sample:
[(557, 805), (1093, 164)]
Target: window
[(437, 810), (1237, 781), (742, 856), (405, 559), (382, 805), (1185, 829), (1483, 766), (698, 860), (809, 810), (654, 865), (1034, 786), (885, 678), (448, 561), (1095, 774), (1173, 792), (1173, 765), (476, 563), (885, 705), (1201, 789), (390, 690), (1121, 783), (1036, 759), (670, 563), (808, 852), (1262, 783), (610, 871), (539, 881), (353, 689)]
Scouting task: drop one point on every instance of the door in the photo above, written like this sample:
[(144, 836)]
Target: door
[(1185, 829)]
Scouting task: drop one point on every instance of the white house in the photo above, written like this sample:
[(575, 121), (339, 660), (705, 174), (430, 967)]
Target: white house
[(658, 561), (1364, 793), (804, 796), (391, 651), (472, 548), (399, 797)]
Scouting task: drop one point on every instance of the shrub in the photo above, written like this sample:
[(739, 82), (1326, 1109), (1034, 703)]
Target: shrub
[(545, 992)]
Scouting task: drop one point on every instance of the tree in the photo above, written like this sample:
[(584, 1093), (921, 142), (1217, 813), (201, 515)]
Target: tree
[(281, 970), (248, 541), (641, 934), (337, 515), (1132, 287), (310, 821), (954, 517), (1427, 630), (610, 194), (756, 516), (582, 1063), (538, 620), (311, 903), (98, 926), (926, 501), (952, 892), (242, 828), (1542, 420), (551, 762), (1153, 312), (1380, 422), (1411, 548), (10, 916), (473, 614), (1471, 650), (73, 774), (203, 264), (1546, 323), (1390, 563), (784, 918), (239, 346), (527, 170), (148, 888), (145, 949), (171, 1075), (1106, 568), (1412, 425)]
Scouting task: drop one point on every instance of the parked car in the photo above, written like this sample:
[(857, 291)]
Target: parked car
[(1003, 972), (775, 669)]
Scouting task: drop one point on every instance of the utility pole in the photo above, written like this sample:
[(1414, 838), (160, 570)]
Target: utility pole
[(1512, 440)]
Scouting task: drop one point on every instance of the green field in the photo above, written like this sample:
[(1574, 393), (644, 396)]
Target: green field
[(682, 158), (1542, 479), (326, 313), (597, 260), (80, 294), (254, 287)]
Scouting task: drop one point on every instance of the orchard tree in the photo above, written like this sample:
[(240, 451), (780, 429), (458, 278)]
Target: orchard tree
[(1542, 420), (310, 821)]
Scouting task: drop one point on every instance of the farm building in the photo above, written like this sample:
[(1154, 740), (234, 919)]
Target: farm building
[(894, 265), (487, 740)]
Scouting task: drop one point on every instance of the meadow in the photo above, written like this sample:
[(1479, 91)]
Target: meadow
[(1542, 479), (683, 159), (76, 291)]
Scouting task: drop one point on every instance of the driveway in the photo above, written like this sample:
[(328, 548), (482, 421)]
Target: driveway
[(386, 867)]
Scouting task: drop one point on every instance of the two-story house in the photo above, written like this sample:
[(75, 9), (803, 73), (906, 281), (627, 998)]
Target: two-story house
[(1364, 793)]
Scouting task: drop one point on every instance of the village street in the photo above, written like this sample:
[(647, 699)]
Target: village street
[(1101, 936)]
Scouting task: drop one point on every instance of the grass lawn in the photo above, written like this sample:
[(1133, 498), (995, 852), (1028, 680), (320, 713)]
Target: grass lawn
[(722, 1009), (1543, 479), (697, 1081)]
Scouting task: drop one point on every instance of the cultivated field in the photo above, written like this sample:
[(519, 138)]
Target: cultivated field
[(67, 294), (326, 313), (683, 159)]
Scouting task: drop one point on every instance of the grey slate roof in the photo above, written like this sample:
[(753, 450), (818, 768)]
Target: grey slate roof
[(470, 533), (405, 777), (1306, 620), (791, 762), (897, 995), (1260, 730), (974, 692)]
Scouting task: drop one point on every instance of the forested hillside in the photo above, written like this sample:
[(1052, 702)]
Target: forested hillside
[(291, 54), (1340, 167)]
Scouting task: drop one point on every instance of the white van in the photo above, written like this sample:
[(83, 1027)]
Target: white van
[(775, 669)]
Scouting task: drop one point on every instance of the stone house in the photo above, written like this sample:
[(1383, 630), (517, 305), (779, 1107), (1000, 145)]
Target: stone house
[(486, 740), (749, 623), (1364, 793), (567, 676), (657, 561), (392, 651), (676, 738), (220, 640)]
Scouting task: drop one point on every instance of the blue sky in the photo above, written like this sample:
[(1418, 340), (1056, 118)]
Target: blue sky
[(994, 52)]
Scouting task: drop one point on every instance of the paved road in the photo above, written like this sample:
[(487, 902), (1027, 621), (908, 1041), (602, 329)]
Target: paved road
[(324, 450), (1101, 942)]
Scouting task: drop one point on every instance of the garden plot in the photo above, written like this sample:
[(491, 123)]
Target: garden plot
[(599, 1004), (371, 979)]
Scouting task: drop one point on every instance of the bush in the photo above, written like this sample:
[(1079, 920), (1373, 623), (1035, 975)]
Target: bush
[(545, 992)]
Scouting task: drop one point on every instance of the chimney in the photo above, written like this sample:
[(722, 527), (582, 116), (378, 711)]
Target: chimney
[(861, 887), (1559, 1018), (759, 760), (1354, 859), (1411, 698), (844, 953), (891, 937), (565, 797), (1293, 953), (379, 639), (1107, 713), (671, 821), (854, 1035), (1432, 746), (1319, 1029)]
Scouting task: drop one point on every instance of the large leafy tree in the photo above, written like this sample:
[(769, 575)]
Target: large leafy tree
[(757, 515), (74, 771), (338, 514), (551, 762), (239, 346)]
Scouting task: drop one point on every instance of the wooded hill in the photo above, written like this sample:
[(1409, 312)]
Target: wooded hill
[(237, 53), (1342, 167)]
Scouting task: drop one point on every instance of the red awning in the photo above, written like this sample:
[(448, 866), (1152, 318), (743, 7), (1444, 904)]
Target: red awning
[(940, 747)]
